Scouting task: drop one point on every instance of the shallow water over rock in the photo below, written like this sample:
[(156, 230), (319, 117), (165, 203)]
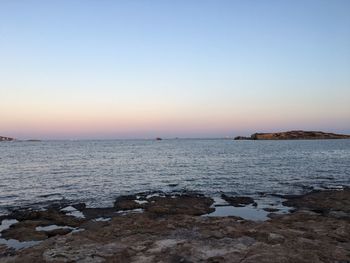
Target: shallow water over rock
[(13, 243), (259, 211)]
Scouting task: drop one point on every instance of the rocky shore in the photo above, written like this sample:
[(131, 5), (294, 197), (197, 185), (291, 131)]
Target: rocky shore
[(159, 227), (7, 139), (294, 135)]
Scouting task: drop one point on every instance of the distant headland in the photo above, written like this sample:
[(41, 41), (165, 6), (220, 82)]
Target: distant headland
[(7, 139), (294, 135)]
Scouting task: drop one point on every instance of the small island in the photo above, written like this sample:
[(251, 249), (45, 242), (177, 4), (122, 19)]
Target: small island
[(6, 139), (294, 135)]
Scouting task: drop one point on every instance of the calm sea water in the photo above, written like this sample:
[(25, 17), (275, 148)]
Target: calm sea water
[(97, 171)]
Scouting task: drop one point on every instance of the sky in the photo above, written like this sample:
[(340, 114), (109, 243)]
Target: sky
[(185, 68)]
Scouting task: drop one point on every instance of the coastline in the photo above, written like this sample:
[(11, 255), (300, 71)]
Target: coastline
[(149, 227), (294, 135)]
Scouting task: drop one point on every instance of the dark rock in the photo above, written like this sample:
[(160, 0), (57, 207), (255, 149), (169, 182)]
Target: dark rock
[(242, 138), (238, 201), (270, 209), (79, 206), (91, 213), (29, 214), (6, 251), (322, 202), (126, 202), (180, 204), (59, 231), (179, 259), (25, 229), (8, 139)]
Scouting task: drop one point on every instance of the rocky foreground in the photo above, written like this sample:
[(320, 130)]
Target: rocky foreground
[(172, 228), (294, 135)]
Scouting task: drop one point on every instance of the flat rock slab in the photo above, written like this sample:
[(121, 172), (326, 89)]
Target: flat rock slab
[(302, 236), (323, 201), (182, 204), (238, 201), (25, 229), (164, 204)]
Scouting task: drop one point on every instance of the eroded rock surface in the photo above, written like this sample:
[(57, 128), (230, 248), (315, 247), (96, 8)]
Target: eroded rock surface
[(238, 201), (180, 236), (127, 202), (25, 229), (326, 202), (163, 204), (193, 204)]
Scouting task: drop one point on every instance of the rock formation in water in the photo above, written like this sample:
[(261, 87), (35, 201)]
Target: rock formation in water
[(294, 135), (6, 139)]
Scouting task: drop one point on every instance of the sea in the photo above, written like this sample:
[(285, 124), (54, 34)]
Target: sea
[(97, 171)]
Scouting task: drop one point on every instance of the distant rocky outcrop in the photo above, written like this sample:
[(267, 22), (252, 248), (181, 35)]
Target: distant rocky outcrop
[(2, 139), (294, 135)]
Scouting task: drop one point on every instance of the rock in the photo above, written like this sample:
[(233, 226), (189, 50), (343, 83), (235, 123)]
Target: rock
[(24, 232), (275, 238), (79, 206), (6, 251), (179, 236), (126, 202), (8, 139), (181, 204), (339, 214), (60, 231), (25, 229), (274, 215), (51, 215), (92, 213), (294, 135), (92, 252), (242, 138), (270, 209), (323, 202), (238, 201)]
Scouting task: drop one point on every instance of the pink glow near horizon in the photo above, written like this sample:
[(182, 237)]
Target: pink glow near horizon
[(138, 126), (112, 116)]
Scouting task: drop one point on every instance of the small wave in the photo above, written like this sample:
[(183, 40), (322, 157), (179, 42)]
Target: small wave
[(49, 195)]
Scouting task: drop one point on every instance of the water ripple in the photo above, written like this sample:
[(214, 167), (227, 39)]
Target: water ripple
[(98, 171)]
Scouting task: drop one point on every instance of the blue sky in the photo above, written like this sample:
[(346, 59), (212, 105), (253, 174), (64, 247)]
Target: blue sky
[(115, 69)]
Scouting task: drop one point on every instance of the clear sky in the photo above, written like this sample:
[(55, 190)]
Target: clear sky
[(146, 68)]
